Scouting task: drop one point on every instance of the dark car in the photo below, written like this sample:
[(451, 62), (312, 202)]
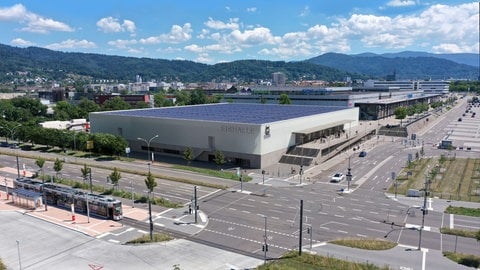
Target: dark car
[(362, 154)]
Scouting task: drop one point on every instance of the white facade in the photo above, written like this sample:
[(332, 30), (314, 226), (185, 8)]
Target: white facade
[(249, 144)]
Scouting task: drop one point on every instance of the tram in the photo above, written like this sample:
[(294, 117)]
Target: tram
[(64, 197)]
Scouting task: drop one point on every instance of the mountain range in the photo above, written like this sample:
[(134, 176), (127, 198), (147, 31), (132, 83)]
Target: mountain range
[(55, 65), (405, 65)]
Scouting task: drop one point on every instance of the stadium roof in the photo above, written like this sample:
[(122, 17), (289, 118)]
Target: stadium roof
[(246, 113)]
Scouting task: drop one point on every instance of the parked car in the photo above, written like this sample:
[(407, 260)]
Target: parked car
[(338, 177), (362, 154)]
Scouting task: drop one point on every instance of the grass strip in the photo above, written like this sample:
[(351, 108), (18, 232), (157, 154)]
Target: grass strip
[(463, 259), (368, 244), (464, 211), (156, 237), (292, 261), (459, 232)]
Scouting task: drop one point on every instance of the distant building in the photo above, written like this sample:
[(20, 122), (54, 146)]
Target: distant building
[(130, 99), (279, 79), (74, 125)]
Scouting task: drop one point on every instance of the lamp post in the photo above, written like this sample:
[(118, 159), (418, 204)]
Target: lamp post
[(19, 257), (349, 174), (265, 245), (148, 147), (11, 131), (424, 212)]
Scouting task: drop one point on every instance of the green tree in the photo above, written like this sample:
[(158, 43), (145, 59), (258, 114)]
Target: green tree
[(115, 177), (57, 166), (400, 113), (151, 184), (182, 98), (115, 104), (63, 110), (284, 99), (85, 172), (40, 162), (478, 235), (411, 110), (197, 96), (108, 144), (32, 106), (219, 158), (188, 155), (86, 106)]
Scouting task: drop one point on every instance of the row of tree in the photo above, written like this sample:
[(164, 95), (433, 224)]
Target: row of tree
[(113, 178)]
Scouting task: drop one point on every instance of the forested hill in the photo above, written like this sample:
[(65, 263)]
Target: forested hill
[(56, 65), (405, 67)]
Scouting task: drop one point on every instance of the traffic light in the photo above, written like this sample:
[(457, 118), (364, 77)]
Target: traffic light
[(264, 248)]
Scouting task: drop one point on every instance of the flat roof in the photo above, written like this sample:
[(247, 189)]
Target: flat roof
[(247, 113)]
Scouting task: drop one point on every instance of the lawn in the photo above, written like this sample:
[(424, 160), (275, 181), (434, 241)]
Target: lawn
[(451, 178)]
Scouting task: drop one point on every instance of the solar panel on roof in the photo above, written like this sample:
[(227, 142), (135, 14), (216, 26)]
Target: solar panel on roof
[(231, 112)]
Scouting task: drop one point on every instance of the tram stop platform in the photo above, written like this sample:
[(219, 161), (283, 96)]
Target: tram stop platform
[(171, 219)]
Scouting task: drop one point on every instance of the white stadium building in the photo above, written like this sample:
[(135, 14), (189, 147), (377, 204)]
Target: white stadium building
[(248, 135)]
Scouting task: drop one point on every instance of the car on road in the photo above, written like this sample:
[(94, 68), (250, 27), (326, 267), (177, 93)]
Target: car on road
[(362, 154), (338, 177)]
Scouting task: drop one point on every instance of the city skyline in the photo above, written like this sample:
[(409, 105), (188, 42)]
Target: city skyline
[(222, 31)]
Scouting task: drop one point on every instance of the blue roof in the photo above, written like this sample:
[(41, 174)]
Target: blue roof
[(247, 113)]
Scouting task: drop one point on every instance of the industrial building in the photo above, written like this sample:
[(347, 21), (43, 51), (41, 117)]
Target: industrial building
[(376, 100), (248, 135)]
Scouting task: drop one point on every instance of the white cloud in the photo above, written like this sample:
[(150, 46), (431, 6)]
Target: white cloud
[(122, 43), (401, 3), (455, 48), (251, 9), (177, 34), (34, 23), (219, 25), (112, 25), (194, 48), (14, 13), (72, 44), (438, 24), (259, 35), (21, 42), (440, 28)]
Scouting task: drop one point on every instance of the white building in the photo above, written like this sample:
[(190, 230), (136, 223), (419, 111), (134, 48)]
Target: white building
[(248, 135)]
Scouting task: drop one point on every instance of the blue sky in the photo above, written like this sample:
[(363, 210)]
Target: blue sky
[(218, 31)]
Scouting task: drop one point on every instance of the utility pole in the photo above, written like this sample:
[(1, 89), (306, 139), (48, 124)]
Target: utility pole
[(91, 185), (265, 245), (195, 203), (301, 228), (424, 211), (349, 174)]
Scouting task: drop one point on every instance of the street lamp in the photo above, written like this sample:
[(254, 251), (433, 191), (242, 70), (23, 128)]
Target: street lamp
[(349, 174), (11, 131), (265, 245), (148, 147)]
